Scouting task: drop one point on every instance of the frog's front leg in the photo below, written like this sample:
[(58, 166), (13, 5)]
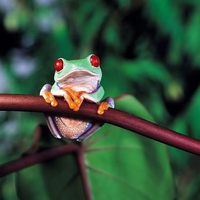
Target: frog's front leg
[(47, 95), (97, 95), (73, 98), (104, 105)]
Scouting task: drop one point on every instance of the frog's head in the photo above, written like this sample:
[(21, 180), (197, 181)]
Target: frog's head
[(80, 72)]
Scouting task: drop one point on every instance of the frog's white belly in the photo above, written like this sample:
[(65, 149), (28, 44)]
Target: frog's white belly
[(71, 128)]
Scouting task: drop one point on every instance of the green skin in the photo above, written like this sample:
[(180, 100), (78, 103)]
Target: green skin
[(80, 76)]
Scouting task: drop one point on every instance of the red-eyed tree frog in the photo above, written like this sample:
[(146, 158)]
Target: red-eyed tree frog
[(76, 80)]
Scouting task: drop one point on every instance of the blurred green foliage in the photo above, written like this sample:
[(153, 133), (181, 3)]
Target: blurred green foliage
[(147, 48)]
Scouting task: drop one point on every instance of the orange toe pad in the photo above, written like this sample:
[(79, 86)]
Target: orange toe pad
[(102, 107)]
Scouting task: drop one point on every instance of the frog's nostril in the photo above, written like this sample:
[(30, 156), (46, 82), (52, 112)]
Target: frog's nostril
[(94, 60), (58, 65)]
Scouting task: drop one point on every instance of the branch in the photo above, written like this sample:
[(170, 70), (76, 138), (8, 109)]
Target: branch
[(12, 102), (36, 158)]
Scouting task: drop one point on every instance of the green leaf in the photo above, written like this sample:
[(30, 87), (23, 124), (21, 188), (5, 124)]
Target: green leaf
[(146, 69), (168, 12), (53, 179), (123, 165), (7, 188), (119, 165), (192, 40), (61, 40), (192, 114), (111, 35)]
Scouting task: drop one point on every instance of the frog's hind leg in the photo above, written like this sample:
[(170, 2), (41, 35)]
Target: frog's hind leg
[(52, 126), (93, 128), (107, 103), (70, 128)]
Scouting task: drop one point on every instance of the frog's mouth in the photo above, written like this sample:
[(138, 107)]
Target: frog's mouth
[(80, 80)]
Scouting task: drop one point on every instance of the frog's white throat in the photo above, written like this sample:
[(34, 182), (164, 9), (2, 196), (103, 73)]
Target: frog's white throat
[(80, 80)]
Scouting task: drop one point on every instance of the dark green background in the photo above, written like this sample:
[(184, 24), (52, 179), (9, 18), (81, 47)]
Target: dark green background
[(149, 49)]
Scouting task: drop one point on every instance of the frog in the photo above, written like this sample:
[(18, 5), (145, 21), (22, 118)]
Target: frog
[(76, 81)]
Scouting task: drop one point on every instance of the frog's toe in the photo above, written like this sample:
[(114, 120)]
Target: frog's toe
[(54, 103), (78, 101), (49, 98), (76, 108), (102, 107), (107, 103), (71, 104), (69, 101)]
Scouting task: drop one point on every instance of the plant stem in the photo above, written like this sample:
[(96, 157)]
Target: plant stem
[(83, 173), (12, 102), (36, 158)]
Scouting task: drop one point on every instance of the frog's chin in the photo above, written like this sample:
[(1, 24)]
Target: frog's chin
[(79, 80)]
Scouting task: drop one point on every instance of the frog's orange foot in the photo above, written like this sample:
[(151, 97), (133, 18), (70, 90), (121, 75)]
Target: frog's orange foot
[(73, 99), (73, 104), (49, 98), (102, 107), (77, 105), (74, 95), (76, 108)]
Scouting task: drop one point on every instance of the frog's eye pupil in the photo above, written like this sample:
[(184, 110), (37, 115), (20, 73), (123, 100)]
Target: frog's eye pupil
[(58, 65), (95, 61)]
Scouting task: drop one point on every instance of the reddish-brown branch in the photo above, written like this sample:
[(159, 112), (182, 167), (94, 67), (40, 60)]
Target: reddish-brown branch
[(113, 116), (36, 158), (83, 174)]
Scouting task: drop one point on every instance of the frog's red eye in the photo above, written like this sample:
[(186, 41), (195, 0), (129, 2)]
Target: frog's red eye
[(94, 60), (58, 65)]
